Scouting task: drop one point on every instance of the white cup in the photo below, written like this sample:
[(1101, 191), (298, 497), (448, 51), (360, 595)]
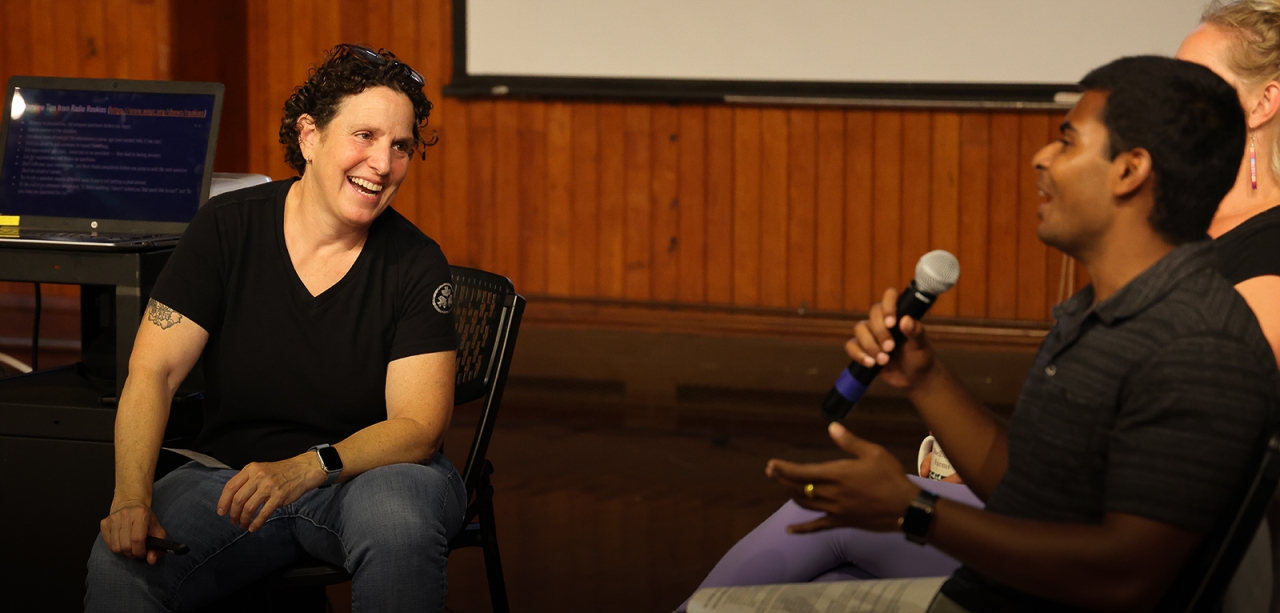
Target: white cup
[(940, 467)]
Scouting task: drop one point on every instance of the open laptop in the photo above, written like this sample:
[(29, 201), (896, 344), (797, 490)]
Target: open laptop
[(104, 164)]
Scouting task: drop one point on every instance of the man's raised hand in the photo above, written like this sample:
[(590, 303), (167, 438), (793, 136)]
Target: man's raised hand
[(868, 491)]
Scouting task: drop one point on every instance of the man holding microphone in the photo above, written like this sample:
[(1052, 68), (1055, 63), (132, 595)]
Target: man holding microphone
[(1147, 404)]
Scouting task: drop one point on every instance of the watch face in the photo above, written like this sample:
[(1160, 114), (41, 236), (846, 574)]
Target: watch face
[(918, 517), (329, 456), (916, 521)]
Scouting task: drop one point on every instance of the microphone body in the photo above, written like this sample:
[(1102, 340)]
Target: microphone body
[(936, 272), (855, 379)]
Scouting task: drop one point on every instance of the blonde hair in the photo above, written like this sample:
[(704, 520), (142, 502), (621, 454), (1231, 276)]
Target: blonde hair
[(1255, 56)]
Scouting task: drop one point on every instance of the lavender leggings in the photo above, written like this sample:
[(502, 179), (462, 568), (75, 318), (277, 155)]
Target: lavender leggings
[(770, 555)]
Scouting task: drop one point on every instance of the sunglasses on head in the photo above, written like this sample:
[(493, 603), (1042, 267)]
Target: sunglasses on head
[(377, 59)]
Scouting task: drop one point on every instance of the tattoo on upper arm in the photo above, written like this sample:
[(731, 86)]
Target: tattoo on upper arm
[(162, 315)]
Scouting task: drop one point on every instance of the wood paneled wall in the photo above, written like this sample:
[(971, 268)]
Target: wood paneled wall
[(125, 39), (796, 208), (687, 204)]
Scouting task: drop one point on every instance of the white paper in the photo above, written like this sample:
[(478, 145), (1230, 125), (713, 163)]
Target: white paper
[(889, 595), (207, 461)]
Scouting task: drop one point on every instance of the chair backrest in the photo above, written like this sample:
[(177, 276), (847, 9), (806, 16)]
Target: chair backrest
[(1203, 580), (487, 312)]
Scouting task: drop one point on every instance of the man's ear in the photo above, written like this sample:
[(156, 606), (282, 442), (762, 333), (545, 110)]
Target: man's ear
[(308, 135), (1263, 105), (1130, 172)]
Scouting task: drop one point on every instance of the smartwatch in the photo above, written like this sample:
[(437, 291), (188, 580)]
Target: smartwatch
[(918, 518), (330, 462)]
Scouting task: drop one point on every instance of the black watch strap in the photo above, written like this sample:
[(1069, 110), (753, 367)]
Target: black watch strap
[(918, 518)]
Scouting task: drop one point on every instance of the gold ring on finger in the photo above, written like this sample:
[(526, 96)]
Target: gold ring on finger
[(808, 490)]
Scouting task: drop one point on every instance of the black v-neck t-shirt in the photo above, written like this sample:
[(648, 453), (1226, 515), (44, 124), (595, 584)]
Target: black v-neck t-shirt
[(286, 370), (1251, 249)]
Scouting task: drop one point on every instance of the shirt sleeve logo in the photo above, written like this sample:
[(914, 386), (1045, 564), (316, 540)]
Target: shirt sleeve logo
[(442, 300)]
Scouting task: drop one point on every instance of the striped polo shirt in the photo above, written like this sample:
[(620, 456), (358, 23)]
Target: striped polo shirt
[(1155, 402)]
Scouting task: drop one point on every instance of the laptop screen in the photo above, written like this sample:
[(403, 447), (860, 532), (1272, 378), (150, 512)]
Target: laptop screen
[(107, 152)]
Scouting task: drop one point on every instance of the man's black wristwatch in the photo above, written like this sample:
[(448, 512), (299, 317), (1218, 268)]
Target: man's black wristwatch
[(917, 520), (330, 462)]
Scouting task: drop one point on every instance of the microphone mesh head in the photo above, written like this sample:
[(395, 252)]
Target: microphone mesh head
[(936, 272)]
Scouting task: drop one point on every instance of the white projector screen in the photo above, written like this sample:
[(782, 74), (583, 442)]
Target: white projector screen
[(968, 49)]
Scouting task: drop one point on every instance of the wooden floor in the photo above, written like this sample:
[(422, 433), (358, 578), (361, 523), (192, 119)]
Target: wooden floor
[(597, 515)]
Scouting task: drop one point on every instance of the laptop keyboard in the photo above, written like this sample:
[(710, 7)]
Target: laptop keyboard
[(104, 237)]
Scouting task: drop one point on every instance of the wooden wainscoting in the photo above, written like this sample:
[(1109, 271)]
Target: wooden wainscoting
[(768, 207)]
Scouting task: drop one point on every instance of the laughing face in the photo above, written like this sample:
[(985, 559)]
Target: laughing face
[(1073, 180), (358, 161)]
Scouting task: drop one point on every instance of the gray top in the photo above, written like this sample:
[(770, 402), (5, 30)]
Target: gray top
[(1155, 402)]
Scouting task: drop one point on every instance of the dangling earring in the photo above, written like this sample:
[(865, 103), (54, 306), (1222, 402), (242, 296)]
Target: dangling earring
[(1253, 164)]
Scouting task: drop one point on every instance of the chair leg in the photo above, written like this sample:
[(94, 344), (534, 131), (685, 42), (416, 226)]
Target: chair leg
[(492, 561), (497, 587)]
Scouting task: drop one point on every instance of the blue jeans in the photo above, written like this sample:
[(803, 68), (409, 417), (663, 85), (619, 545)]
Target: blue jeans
[(389, 527)]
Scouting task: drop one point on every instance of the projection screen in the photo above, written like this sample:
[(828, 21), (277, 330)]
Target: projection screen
[(974, 51)]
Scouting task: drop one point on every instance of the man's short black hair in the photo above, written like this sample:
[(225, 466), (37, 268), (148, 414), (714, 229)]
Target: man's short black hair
[(1191, 123)]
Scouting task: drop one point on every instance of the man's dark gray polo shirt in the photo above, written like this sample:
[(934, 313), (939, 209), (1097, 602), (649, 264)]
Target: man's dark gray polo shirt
[(1154, 402)]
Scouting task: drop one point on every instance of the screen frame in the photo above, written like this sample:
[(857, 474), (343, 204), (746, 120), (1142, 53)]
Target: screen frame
[(994, 96)]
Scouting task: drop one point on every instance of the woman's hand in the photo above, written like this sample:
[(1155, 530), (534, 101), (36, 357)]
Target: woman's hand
[(126, 528), (260, 488), (872, 344), (868, 491)]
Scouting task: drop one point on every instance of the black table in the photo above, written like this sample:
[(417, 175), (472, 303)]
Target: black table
[(56, 425), (114, 288)]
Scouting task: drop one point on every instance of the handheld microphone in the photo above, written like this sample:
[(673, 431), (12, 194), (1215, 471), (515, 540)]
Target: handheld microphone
[(936, 272)]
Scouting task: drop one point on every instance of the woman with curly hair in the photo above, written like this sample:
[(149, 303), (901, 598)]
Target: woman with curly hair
[(323, 319)]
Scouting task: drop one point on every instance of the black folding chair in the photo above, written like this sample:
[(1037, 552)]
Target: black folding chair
[(1203, 581), (487, 312)]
